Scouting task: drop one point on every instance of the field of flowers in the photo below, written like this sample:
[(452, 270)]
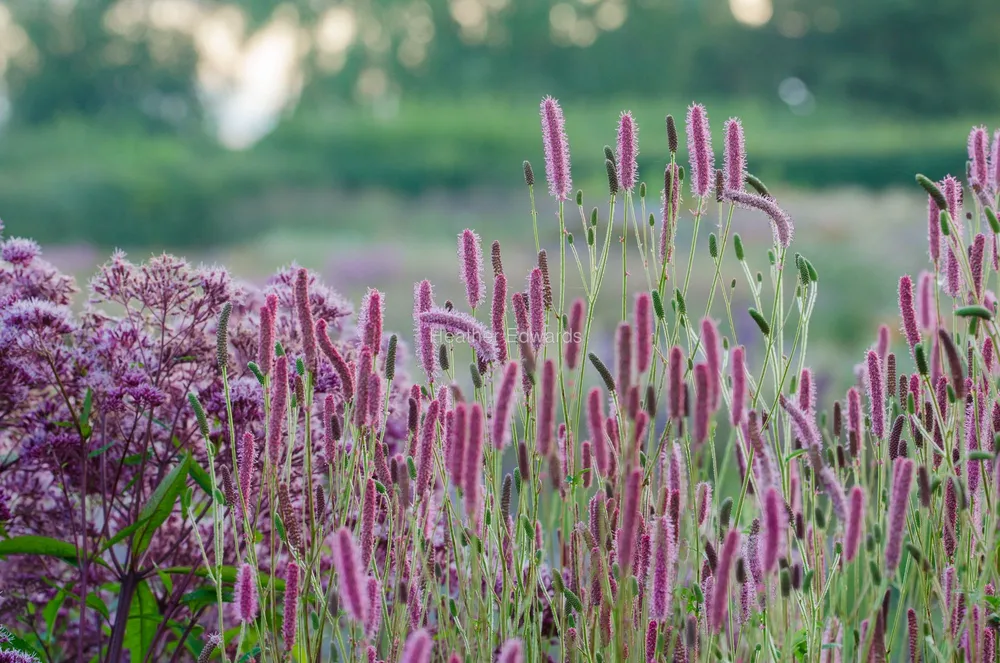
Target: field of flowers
[(193, 468)]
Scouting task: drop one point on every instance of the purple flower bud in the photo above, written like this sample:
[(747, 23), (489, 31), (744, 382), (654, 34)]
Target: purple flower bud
[(699, 139), (511, 652), (418, 648), (304, 311), (472, 475), (735, 158), (854, 527), (876, 394), (536, 308), (370, 320), (781, 223), (902, 482), (265, 346), (374, 622), (346, 560), (457, 432), (503, 413), (423, 301), (978, 145), (279, 402), (720, 591), (586, 463), (368, 523), (556, 149), (247, 464), (546, 417), (628, 149), (363, 372), (676, 390), (290, 616), (628, 532), (651, 641), (854, 411), (775, 525), (702, 403), (623, 357), (595, 420), (464, 326), (470, 254), (908, 313), (245, 595), (933, 230), (671, 200), (739, 369), (976, 262), (572, 348), (425, 465), (497, 316), (643, 331)]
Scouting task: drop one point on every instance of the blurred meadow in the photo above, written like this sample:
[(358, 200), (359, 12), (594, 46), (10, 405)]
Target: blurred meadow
[(360, 137)]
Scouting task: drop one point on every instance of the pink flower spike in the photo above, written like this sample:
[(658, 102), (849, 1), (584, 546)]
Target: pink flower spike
[(908, 313), (976, 254), (497, 316), (899, 501), (979, 169), (425, 465), (265, 345), (462, 326), (933, 230), (572, 348), (628, 532), (703, 397), (370, 320), (279, 403), (738, 407), (775, 526), (335, 358), (290, 616), (247, 466), (720, 592), (643, 331), (876, 394), (623, 358), (536, 308), (511, 652), (702, 160), (245, 594), (995, 163), (470, 254), (676, 390), (781, 223), (807, 391), (472, 475), (595, 420), (854, 411), (854, 527), (417, 648), (628, 150), (557, 169), (368, 523), (546, 417), (374, 622), (304, 311), (423, 301), (459, 434), (503, 413), (346, 560), (735, 161)]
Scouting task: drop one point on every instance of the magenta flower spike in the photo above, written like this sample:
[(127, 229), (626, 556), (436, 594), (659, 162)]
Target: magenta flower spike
[(720, 591), (462, 326), (643, 331), (651, 635), (546, 417), (702, 160), (676, 390), (908, 313), (363, 371), (628, 150), (775, 526), (335, 358), (628, 532), (247, 465), (279, 403), (370, 320), (854, 527), (423, 301), (557, 170), (503, 413), (459, 435), (933, 230), (374, 622), (497, 315), (470, 255), (995, 163), (587, 463), (702, 403), (976, 254), (703, 497), (265, 344), (739, 402), (417, 648), (876, 394), (807, 391), (304, 312), (595, 421), (290, 616), (472, 475), (245, 594), (979, 165), (661, 580), (536, 308), (623, 357), (425, 466), (899, 501), (347, 562), (511, 652), (670, 198), (368, 523), (575, 339), (735, 161), (781, 223), (854, 411)]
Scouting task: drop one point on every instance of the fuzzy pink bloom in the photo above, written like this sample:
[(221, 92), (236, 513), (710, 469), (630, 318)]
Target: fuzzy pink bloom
[(536, 308), (374, 622), (623, 357), (363, 372), (739, 368), (330, 428), (304, 311), (586, 463), (882, 345), (702, 403), (702, 160), (735, 160), (628, 150), (472, 475), (913, 635), (417, 648), (902, 482), (335, 358), (661, 580), (470, 255), (854, 527), (976, 261), (643, 331), (245, 594), (463, 326), (425, 465), (651, 641), (995, 163), (556, 149), (671, 203), (703, 499), (988, 355), (804, 426), (423, 301), (511, 652), (520, 303), (595, 420), (290, 616), (775, 525), (807, 391), (279, 403), (925, 299), (781, 223), (346, 560), (458, 433), (713, 359), (370, 319), (676, 390), (247, 466), (908, 313), (720, 592), (368, 523), (374, 389), (504, 411), (933, 230), (628, 532), (265, 345), (876, 394), (854, 411), (497, 315), (546, 416), (572, 347), (979, 170)]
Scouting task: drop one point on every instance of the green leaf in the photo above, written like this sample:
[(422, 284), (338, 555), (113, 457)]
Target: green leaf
[(97, 452), (39, 545), (143, 620), (88, 404), (160, 504), (201, 476), (95, 602), (121, 535), (51, 611)]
